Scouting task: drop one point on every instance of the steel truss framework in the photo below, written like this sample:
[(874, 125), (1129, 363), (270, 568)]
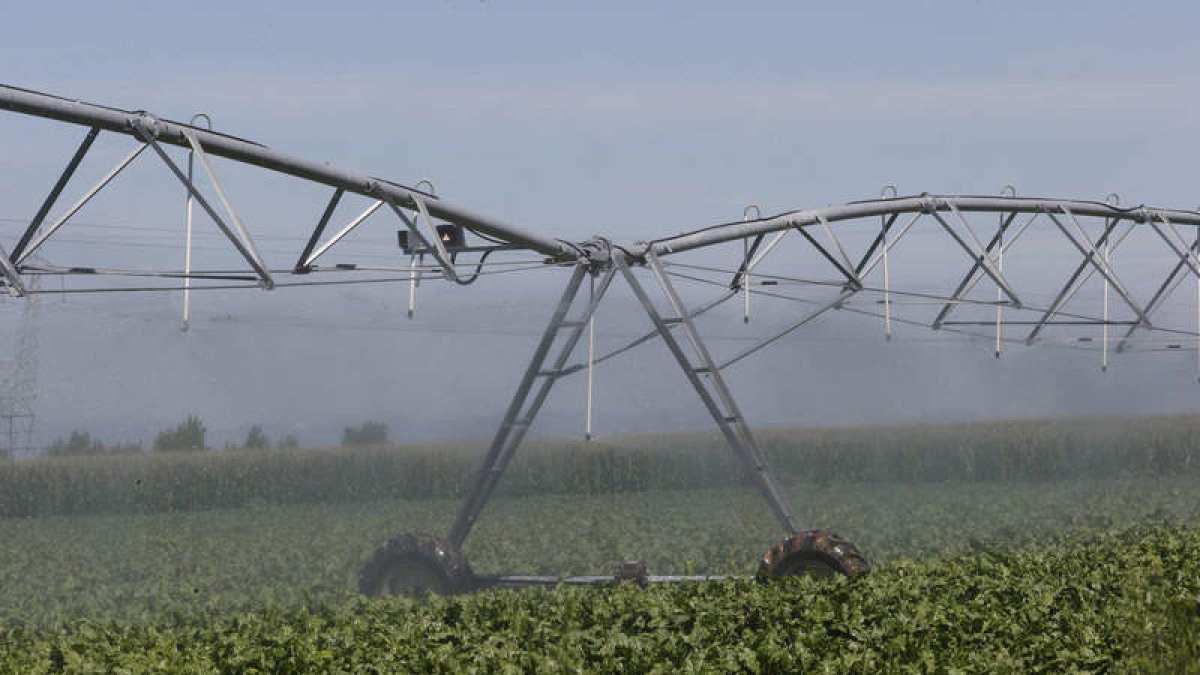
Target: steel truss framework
[(853, 268)]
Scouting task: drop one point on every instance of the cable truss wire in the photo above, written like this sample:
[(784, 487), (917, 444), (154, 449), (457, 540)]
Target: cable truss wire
[(280, 284), (855, 306)]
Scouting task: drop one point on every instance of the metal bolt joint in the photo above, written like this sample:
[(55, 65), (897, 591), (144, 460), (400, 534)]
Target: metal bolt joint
[(147, 123)]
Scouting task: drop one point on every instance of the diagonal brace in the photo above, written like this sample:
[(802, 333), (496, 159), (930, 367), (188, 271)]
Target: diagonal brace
[(302, 266), (1074, 283), (244, 234), (971, 273), (1168, 286), (743, 271), (574, 368), (1092, 256), (888, 246), (807, 318), (79, 204), (982, 258), (63, 179), (887, 226), (519, 416), (722, 407), (355, 222), (852, 279), (432, 243), (263, 275), (1179, 246), (836, 242)]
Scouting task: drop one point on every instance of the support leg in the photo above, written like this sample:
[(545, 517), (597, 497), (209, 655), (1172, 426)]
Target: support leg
[(520, 416), (711, 388)]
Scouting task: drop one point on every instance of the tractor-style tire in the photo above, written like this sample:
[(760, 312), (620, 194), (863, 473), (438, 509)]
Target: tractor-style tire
[(415, 564), (817, 553)]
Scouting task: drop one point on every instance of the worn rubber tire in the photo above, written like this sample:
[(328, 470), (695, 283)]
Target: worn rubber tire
[(817, 552), (415, 564)]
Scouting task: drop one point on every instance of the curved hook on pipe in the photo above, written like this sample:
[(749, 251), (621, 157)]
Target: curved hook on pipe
[(201, 116), (883, 191), (425, 181)]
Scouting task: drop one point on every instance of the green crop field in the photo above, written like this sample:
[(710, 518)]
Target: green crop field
[(1004, 570)]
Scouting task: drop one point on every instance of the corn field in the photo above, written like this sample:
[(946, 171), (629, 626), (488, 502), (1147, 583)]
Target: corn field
[(976, 452)]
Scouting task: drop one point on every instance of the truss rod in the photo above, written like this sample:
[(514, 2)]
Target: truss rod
[(981, 258), (1179, 247), (851, 278), (322, 223), (201, 275), (264, 275), (437, 250), (934, 298), (1168, 286), (1071, 287), (806, 319), (997, 239), (521, 410), (837, 244), (889, 220), (889, 245), (61, 183), (355, 222), (648, 336), (87, 197), (723, 408), (1097, 260), (1010, 322), (121, 121), (939, 300), (920, 203), (766, 250), (767, 278), (743, 269), (243, 233)]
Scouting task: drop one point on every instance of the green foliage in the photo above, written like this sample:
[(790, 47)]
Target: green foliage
[(368, 433), (78, 443), (1126, 600), (1068, 576), (81, 443), (289, 442), (189, 435), (256, 439), (970, 453)]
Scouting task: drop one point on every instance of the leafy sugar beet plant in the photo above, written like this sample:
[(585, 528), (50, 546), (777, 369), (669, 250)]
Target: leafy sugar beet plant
[(1127, 601), (246, 561)]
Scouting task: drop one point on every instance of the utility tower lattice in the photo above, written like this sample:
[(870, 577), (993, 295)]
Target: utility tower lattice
[(18, 379)]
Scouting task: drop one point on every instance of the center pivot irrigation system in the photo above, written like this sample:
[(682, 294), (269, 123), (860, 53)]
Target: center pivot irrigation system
[(952, 264)]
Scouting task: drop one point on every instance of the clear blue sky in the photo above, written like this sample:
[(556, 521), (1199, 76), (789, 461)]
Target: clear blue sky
[(624, 118)]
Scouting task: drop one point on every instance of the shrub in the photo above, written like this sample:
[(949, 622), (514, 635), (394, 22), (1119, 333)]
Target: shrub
[(189, 435), (370, 433), (78, 443), (256, 439)]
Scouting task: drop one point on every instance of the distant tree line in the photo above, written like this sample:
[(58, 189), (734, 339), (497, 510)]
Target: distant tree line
[(82, 443), (368, 433), (189, 436)]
